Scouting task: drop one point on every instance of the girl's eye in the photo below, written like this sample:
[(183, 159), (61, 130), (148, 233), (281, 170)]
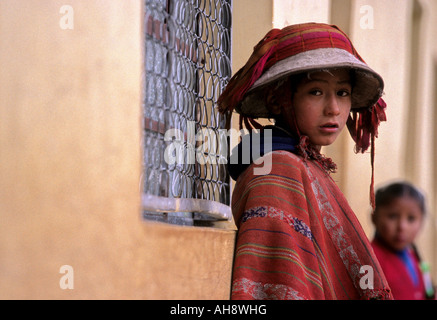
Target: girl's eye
[(316, 92), (392, 216), (343, 93), (411, 218)]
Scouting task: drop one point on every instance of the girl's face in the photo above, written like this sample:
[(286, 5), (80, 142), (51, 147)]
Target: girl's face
[(321, 106), (399, 222)]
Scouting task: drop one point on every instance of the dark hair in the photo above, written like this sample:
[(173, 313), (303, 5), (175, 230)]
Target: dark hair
[(384, 196)]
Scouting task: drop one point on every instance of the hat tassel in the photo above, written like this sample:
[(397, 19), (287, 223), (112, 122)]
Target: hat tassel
[(363, 127)]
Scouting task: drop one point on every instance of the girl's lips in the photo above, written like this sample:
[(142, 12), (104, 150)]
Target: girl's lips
[(330, 127), (400, 239)]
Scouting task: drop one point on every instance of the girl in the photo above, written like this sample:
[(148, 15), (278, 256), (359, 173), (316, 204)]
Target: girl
[(398, 217), (298, 238)]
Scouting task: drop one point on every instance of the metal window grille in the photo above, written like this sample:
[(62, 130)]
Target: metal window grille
[(187, 65)]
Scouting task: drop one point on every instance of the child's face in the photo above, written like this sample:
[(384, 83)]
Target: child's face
[(322, 105), (399, 222)]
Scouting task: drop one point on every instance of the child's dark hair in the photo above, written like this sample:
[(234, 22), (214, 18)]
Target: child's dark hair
[(384, 196)]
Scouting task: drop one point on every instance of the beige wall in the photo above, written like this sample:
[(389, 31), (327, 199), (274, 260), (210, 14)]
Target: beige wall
[(70, 159), (70, 164), (299, 11)]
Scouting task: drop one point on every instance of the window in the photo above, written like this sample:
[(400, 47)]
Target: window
[(187, 65)]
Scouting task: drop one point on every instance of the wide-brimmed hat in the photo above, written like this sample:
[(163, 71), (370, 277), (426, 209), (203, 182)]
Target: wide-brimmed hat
[(293, 50), (303, 48), (368, 85)]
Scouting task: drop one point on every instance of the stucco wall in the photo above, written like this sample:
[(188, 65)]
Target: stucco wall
[(70, 164)]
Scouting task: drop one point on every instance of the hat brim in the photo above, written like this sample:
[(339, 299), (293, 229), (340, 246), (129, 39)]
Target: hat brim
[(368, 85)]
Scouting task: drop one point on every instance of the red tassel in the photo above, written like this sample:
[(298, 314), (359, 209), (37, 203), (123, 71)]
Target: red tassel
[(363, 127)]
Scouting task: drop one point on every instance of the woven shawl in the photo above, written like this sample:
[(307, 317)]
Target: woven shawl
[(298, 238)]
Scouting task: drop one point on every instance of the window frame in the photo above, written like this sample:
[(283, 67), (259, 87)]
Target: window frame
[(169, 206)]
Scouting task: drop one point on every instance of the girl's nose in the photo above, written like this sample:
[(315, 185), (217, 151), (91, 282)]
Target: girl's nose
[(402, 224), (331, 105)]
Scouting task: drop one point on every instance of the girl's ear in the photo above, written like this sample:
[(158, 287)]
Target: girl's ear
[(272, 103)]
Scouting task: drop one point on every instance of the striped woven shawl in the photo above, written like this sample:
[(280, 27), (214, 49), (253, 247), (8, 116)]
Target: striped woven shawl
[(298, 238)]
